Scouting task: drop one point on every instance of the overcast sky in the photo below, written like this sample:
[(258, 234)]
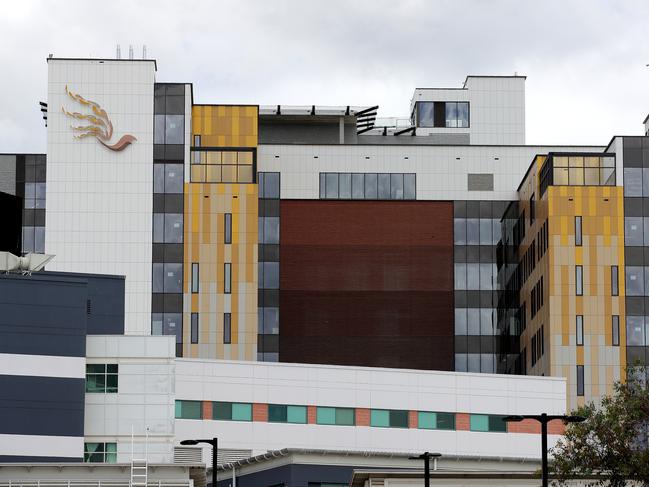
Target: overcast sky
[(584, 60)]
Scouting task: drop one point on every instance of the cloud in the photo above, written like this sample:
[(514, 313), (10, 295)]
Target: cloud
[(585, 60)]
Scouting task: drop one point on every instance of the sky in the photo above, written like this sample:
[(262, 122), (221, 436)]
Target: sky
[(585, 61)]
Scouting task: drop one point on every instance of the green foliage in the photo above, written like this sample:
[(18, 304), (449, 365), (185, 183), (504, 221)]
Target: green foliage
[(613, 443)]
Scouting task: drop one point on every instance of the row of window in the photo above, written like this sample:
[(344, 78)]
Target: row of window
[(34, 195), (536, 298), (443, 114), (33, 239), (637, 331), (476, 231), (482, 276), (102, 378), (227, 328), (475, 321), (380, 418), (615, 330), (636, 181), (475, 362), (367, 186), (537, 345), (100, 452), (528, 262)]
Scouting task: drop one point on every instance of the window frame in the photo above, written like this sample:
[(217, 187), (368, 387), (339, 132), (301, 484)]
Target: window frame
[(104, 375), (227, 228), (579, 330), (578, 231)]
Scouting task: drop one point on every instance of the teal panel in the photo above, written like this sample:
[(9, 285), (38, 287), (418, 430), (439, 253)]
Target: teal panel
[(380, 418), (296, 414), (479, 422), (326, 415), (427, 421)]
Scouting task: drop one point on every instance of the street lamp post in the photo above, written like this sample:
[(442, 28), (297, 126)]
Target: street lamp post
[(544, 419), (215, 451), (426, 456)]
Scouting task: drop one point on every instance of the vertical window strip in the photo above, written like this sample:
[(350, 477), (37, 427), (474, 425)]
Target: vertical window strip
[(580, 380), (227, 278), (579, 280), (578, 239), (614, 281), (227, 231), (195, 276), (227, 328), (580, 330), (615, 331)]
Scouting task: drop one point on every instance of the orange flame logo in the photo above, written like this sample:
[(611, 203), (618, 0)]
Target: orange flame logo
[(101, 127)]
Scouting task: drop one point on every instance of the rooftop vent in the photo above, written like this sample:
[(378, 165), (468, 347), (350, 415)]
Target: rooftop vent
[(23, 265)]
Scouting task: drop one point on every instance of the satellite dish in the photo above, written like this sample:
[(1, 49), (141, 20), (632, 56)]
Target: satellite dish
[(25, 265)]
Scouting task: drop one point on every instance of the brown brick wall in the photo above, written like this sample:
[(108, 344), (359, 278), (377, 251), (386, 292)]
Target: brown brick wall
[(311, 414), (367, 283), (462, 421), (413, 419), (260, 412), (207, 409)]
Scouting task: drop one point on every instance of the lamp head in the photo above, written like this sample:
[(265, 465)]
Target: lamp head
[(189, 442), (575, 419)]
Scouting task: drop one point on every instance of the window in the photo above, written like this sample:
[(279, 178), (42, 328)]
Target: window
[(167, 228), (579, 280), (286, 414), (222, 166), (232, 411), (635, 331), (227, 278), (614, 281), (227, 230), (615, 331), (227, 327), (189, 410), (633, 231), (580, 330), (167, 278), (435, 421), (34, 195), (169, 129), (194, 277), (532, 209), (457, 114), (581, 170), (371, 186), (194, 328), (101, 378), (384, 418), (100, 452), (578, 231), (634, 280), (486, 422), (335, 416), (450, 114), (580, 380)]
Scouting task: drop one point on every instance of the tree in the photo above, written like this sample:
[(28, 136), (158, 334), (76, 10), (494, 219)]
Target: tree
[(613, 442)]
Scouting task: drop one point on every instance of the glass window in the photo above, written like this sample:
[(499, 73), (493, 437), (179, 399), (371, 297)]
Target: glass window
[(286, 414), (396, 186), (496, 423), (232, 411), (578, 230), (331, 181), (445, 421), (227, 230), (487, 321), (380, 418), (271, 230), (425, 114), (451, 114), (633, 231), (384, 186), (580, 330), (102, 378), (156, 324), (173, 278), (579, 280), (173, 228), (174, 129), (158, 129), (358, 186), (460, 276), (472, 231), (473, 362), (227, 278), (580, 380), (173, 178), (473, 321), (635, 331), (426, 420), (227, 328), (560, 176), (100, 452), (335, 416), (479, 422), (276, 413), (189, 409), (271, 321), (409, 187), (271, 275), (485, 276), (241, 412), (615, 323), (194, 328), (459, 231), (371, 190), (496, 231), (173, 325), (632, 181), (323, 186), (614, 281), (345, 186), (271, 185), (158, 227), (194, 277), (486, 229), (463, 114), (460, 362), (158, 178), (460, 321), (634, 281), (487, 363), (473, 277)]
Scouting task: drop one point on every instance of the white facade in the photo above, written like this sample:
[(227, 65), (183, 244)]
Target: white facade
[(99, 201), (496, 109), (145, 397), (442, 171), (371, 388)]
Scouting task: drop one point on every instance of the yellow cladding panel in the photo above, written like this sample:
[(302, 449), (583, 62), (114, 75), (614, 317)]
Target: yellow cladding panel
[(226, 125)]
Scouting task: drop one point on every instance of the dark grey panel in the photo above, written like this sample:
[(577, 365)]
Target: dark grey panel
[(106, 296), (173, 303), (294, 475), (24, 459), (480, 182), (45, 406), (43, 315)]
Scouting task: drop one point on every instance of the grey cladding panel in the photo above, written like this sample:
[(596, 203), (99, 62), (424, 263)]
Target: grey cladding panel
[(481, 182), (106, 295), (8, 174)]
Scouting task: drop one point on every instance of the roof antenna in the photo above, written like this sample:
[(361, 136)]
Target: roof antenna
[(143, 51), (515, 73), (119, 52), (130, 51)]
